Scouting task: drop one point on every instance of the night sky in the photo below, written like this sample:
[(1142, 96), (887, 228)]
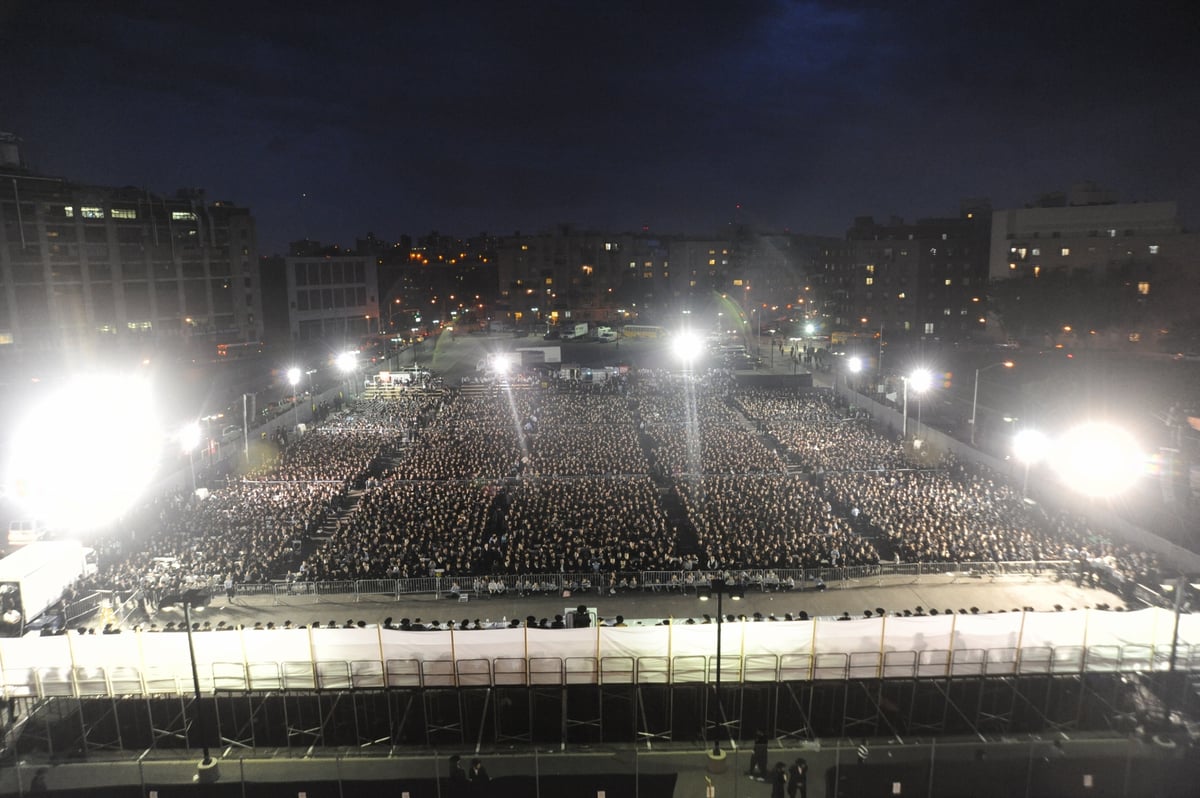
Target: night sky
[(333, 119)]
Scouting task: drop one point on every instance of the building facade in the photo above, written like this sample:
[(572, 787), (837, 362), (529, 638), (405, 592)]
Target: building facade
[(89, 268), (927, 278), (333, 298)]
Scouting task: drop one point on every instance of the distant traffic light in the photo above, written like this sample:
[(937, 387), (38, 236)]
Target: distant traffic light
[(947, 379)]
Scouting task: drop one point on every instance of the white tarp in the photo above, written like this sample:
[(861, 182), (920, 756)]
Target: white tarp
[(146, 663)]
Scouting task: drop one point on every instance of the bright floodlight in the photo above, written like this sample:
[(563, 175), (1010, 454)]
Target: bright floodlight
[(1097, 459), (189, 437), (85, 454), (1029, 446), (920, 380), (293, 375), (809, 329), (501, 364), (854, 364), (346, 362), (687, 346)]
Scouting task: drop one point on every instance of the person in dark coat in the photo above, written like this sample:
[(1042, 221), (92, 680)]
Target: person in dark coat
[(758, 759), (479, 779), (458, 778), (798, 779), (779, 779)]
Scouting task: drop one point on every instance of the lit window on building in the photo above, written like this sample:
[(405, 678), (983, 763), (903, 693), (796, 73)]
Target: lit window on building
[(945, 311), (1154, 249), (712, 261), (870, 268), (870, 281), (948, 281), (91, 212), (183, 216), (1066, 251), (647, 275), (69, 211), (1112, 232), (929, 328), (124, 213), (901, 295), (1143, 288), (1037, 252)]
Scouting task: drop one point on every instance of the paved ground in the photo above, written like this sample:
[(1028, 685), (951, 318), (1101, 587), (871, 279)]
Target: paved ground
[(892, 593)]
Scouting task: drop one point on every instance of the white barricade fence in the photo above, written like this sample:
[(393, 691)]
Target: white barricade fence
[(148, 663)]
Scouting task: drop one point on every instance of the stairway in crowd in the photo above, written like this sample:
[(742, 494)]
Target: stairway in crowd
[(329, 525)]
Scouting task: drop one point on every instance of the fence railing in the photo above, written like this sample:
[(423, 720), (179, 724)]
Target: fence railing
[(474, 587)]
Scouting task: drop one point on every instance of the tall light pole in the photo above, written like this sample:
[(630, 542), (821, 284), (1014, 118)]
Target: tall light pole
[(189, 439), (347, 364), (207, 771), (293, 375), (719, 587), (1029, 447), (920, 379), (975, 398)]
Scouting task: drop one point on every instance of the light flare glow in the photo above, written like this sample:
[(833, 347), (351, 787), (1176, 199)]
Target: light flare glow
[(85, 454)]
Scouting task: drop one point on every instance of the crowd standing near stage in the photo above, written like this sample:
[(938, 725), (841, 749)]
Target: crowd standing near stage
[(662, 472)]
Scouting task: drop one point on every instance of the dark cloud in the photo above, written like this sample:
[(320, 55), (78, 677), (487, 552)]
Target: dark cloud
[(481, 115)]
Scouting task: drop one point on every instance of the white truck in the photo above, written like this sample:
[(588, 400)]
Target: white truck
[(575, 332), (34, 578)]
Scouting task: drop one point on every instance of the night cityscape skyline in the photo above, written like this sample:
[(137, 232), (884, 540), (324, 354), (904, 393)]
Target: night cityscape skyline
[(470, 118)]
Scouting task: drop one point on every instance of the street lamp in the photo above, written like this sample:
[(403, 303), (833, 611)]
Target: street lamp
[(1029, 447), (347, 364), (293, 375), (189, 439), (921, 380), (207, 771), (975, 398), (719, 587), (687, 346), (853, 366)]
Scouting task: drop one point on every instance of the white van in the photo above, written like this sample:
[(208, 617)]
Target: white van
[(24, 531)]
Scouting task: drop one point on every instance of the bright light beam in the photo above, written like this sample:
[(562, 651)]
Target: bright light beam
[(86, 453), (1097, 459), (687, 346)]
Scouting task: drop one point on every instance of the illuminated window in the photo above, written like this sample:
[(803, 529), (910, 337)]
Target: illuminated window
[(183, 216), (712, 261), (1066, 251), (91, 212), (549, 281), (943, 236), (124, 213), (945, 311), (1154, 249), (647, 275), (948, 281), (929, 328), (524, 247), (1012, 266), (608, 246), (870, 281), (69, 212), (737, 282), (1037, 271), (870, 268), (1037, 252), (901, 295), (1112, 233), (933, 250), (1143, 288), (691, 283)]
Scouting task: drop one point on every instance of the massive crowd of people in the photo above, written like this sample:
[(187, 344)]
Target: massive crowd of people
[(663, 472)]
